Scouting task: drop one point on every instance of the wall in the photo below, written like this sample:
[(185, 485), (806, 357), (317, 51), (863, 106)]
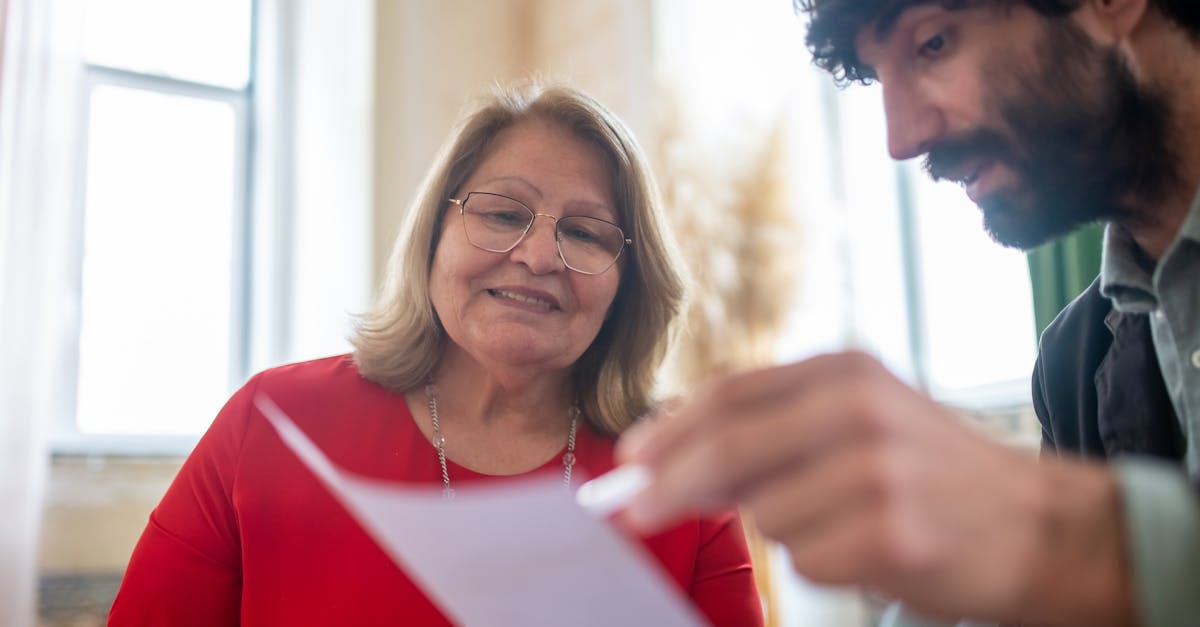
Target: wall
[(96, 508), (432, 57)]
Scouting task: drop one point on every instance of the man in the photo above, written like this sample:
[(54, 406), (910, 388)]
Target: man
[(1051, 114)]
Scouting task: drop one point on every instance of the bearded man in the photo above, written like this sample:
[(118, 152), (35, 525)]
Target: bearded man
[(1051, 114)]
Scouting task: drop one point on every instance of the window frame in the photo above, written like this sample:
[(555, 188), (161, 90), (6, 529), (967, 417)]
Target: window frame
[(65, 437)]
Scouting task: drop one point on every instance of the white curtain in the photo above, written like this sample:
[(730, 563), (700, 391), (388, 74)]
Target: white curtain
[(35, 111)]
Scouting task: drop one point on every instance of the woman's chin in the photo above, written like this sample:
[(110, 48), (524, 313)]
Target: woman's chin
[(526, 355)]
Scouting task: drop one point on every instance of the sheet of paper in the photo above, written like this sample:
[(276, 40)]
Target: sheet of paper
[(505, 553)]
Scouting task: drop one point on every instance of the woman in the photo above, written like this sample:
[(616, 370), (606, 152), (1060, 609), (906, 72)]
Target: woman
[(527, 310)]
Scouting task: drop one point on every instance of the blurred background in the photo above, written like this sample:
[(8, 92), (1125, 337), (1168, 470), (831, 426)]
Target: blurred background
[(193, 191)]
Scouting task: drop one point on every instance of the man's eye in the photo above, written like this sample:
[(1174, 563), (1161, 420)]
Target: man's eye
[(933, 46)]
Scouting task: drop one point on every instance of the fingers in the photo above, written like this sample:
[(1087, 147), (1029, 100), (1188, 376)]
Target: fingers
[(796, 504), (844, 519), (730, 396), (840, 551), (730, 452), (704, 472), (863, 479)]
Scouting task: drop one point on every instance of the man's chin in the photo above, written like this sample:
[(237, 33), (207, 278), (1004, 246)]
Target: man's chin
[(1012, 228), (1014, 232)]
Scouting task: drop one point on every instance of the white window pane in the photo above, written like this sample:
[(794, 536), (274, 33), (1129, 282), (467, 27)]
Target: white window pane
[(159, 222), (204, 42), (874, 246), (978, 304)]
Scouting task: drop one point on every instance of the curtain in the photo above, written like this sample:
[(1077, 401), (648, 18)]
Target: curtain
[(1061, 270), (37, 105), (20, 474)]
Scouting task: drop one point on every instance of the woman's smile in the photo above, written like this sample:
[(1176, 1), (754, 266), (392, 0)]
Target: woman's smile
[(531, 300)]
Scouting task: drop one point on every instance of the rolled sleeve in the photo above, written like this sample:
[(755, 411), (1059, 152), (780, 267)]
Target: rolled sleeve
[(1163, 521)]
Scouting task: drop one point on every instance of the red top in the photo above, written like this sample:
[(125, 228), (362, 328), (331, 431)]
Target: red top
[(247, 535)]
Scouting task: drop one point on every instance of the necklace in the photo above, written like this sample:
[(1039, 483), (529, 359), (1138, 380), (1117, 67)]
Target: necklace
[(439, 442)]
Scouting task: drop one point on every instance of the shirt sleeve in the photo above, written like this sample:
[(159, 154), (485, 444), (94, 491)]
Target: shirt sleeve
[(1162, 517), (186, 567), (723, 581)]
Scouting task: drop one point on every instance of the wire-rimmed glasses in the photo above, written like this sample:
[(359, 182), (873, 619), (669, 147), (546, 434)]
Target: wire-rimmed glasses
[(497, 223)]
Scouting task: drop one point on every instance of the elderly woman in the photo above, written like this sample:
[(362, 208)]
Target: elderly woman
[(528, 307)]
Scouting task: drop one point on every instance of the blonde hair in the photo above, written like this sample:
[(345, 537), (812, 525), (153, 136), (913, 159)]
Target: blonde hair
[(399, 342)]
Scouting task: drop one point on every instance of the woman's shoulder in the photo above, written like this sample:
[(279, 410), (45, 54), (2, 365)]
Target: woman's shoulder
[(337, 375), (326, 385), (322, 370), (357, 423)]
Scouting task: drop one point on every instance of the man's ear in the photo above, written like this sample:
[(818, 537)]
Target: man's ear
[(1111, 21)]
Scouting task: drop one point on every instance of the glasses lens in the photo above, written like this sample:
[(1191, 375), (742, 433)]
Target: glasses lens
[(589, 245), (495, 223)]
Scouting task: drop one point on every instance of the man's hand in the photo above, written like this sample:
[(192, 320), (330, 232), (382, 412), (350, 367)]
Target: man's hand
[(868, 482)]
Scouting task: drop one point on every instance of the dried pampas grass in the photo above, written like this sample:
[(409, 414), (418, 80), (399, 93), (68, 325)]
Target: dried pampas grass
[(730, 202)]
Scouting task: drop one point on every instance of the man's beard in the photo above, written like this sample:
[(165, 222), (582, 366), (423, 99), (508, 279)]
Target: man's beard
[(1084, 140)]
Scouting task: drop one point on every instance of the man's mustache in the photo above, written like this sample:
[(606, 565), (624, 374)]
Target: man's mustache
[(948, 153)]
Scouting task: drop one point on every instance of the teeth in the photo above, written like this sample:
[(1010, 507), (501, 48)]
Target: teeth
[(521, 298)]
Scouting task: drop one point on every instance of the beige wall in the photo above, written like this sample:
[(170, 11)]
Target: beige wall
[(432, 57), (95, 509)]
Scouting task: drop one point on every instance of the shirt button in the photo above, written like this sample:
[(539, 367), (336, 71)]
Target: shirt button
[(1196, 359)]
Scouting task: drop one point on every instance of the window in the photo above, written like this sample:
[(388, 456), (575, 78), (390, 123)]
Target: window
[(914, 279), (888, 261), (163, 182), (976, 341), (221, 212)]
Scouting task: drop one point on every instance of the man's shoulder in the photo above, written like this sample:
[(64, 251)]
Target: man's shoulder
[(1080, 322), (1072, 349), (1069, 354)]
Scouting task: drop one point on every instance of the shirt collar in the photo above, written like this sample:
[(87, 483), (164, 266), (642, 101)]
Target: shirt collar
[(1123, 276)]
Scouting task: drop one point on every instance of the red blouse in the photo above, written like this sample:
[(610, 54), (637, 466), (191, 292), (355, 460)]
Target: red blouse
[(247, 535)]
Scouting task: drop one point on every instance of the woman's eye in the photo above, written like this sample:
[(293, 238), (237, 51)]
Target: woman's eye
[(580, 235), (503, 217)]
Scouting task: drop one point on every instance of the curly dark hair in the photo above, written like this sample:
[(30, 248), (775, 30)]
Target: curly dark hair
[(834, 24)]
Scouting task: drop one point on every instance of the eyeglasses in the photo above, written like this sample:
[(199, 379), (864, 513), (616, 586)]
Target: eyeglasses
[(497, 223)]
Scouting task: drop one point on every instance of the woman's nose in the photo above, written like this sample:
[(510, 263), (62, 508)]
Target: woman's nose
[(538, 250)]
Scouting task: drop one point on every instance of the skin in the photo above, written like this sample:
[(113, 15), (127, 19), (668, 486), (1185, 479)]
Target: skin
[(503, 380), (868, 482)]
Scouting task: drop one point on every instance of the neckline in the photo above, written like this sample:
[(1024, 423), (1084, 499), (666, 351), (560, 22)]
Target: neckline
[(459, 471), (468, 473)]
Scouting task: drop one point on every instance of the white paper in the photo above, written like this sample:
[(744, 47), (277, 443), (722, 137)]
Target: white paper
[(509, 553)]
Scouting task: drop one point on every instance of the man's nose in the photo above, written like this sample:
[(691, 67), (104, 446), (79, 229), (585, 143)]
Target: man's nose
[(914, 122)]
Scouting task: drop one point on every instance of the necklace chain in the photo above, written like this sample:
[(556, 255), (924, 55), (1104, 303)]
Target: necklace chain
[(439, 442)]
